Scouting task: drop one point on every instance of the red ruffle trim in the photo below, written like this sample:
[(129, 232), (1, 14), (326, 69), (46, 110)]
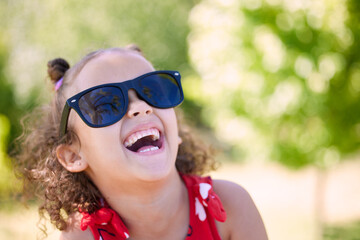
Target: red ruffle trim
[(105, 216), (212, 202)]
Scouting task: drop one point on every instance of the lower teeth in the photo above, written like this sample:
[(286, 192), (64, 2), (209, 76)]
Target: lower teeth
[(149, 149)]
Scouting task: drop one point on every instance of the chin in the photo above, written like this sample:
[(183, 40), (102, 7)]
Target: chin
[(156, 173)]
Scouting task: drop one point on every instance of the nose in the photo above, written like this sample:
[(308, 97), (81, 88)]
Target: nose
[(137, 107)]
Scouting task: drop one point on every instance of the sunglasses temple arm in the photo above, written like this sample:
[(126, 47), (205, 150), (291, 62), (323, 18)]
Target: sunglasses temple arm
[(64, 119)]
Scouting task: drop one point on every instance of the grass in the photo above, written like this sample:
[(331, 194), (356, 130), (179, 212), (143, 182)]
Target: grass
[(348, 231)]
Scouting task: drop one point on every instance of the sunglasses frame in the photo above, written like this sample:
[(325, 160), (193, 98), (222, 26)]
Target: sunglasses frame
[(125, 86)]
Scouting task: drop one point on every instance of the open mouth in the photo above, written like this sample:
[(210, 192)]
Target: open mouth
[(144, 141)]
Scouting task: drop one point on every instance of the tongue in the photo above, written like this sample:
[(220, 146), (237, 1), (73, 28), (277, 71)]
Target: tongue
[(143, 144)]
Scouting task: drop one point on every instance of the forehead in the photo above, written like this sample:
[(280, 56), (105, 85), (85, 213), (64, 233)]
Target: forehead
[(111, 67)]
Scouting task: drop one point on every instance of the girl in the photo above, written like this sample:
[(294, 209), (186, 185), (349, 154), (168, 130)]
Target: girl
[(111, 163)]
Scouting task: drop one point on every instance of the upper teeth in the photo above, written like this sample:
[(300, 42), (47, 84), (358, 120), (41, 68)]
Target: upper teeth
[(137, 135)]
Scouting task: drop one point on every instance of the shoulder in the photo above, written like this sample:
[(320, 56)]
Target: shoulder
[(73, 232), (243, 219)]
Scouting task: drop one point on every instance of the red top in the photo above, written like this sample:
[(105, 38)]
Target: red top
[(205, 207)]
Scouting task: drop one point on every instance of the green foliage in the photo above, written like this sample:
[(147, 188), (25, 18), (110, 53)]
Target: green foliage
[(70, 29), (7, 179), (10, 107), (288, 74)]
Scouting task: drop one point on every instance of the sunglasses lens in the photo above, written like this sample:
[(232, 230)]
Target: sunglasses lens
[(160, 90), (102, 106)]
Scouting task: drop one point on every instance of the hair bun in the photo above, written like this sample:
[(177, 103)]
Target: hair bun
[(57, 69), (134, 47)]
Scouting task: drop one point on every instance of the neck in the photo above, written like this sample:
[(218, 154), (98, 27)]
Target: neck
[(147, 203)]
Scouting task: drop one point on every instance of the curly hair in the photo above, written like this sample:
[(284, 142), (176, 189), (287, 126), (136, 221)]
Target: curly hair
[(63, 192)]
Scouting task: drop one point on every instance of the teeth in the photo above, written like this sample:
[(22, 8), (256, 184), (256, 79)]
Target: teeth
[(149, 149), (153, 132)]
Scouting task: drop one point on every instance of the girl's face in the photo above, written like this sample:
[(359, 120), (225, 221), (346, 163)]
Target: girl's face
[(106, 151)]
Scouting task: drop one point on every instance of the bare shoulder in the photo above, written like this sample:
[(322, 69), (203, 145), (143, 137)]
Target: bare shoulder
[(243, 219), (73, 232)]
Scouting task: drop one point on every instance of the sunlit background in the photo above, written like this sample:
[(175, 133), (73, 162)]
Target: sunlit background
[(274, 85)]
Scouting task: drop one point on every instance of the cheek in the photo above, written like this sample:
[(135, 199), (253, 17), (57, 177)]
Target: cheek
[(168, 117), (98, 142), (73, 121), (105, 137), (170, 123), (76, 124)]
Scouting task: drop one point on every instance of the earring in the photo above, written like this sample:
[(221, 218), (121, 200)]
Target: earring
[(78, 163)]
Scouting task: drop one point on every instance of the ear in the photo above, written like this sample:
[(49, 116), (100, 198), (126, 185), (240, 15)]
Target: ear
[(68, 156), (179, 140)]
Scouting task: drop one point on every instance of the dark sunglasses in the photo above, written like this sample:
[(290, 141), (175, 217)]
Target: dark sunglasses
[(105, 104)]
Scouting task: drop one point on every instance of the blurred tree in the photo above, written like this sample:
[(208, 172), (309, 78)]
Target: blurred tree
[(10, 108), (283, 80), (9, 123), (41, 30), (280, 79)]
